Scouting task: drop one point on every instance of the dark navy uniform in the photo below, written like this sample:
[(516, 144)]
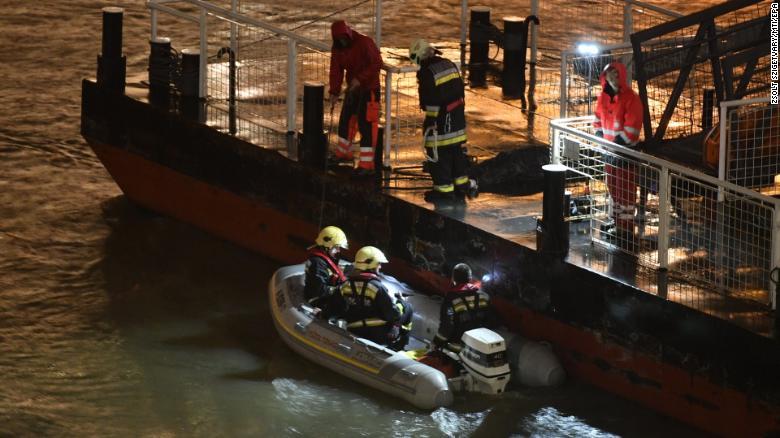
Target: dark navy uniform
[(465, 307), (323, 276), (441, 92)]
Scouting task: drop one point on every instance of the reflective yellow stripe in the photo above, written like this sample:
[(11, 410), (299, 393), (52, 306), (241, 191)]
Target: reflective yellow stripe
[(346, 289), (461, 180), (432, 113), (446, 142), (447, 78), (368, 322), (316, 346), (445, 188)]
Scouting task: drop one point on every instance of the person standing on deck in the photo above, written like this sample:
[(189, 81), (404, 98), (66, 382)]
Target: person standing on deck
[(619, 113), (442, 98), (359, 56), (323, 274)]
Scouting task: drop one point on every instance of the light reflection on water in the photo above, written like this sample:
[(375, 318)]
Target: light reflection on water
[(118, 322)]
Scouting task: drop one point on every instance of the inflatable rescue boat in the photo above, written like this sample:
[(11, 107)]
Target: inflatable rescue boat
[(485, 363)]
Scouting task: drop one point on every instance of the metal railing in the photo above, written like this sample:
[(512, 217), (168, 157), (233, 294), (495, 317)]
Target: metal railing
[(749, 144), (705, 230)]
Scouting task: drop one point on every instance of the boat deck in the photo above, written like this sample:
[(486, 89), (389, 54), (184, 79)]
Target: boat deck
[(495, 126)]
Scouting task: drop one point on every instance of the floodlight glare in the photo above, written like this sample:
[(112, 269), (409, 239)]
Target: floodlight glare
[(588, 49)]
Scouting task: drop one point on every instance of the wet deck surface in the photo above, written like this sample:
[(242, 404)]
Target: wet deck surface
[(495, 126)]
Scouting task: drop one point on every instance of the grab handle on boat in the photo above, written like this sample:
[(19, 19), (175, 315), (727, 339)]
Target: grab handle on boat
[(301, 327), (345, 347)]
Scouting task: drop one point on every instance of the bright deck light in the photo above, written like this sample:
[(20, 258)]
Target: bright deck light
[(588, 49)]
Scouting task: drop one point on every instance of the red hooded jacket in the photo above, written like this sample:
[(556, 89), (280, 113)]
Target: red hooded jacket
[(361, 59), (620, 114)]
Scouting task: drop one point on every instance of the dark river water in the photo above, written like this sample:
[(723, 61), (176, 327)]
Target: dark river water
[(115, 321)]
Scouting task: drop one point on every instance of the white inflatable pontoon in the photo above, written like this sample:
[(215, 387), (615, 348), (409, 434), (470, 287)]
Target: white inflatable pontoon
[(395, 373)]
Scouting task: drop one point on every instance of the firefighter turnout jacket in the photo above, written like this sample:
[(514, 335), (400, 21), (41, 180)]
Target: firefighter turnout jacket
[(441, 91), (368, 308), (323, 274)]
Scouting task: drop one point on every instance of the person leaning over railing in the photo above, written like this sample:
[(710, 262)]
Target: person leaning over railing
[(618, 119)]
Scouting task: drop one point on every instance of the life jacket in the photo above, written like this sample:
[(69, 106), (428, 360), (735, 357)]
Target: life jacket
[(361, 292), (336, 274), (469, 305), (441, 91), (620, 114)]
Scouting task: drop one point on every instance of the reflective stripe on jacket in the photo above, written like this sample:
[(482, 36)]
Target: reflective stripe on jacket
[(441, 91), (621, 114)]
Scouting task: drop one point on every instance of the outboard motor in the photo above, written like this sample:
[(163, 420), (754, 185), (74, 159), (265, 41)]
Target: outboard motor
[(484, 360)]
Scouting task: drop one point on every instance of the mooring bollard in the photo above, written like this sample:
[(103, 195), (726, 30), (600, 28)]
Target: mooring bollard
[(112, 65), (312, 148), (552, 231), (479, 42), (513, 74), (191, 105), (160, 65)]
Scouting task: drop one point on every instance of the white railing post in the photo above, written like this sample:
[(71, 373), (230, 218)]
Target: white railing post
[(775, 257), (534, 35), (628, 29), (555, 158), (628, 21), (563, 97), (664, 204), (153, 15), (388, 116), (292, 84), (234, 30), (203, 89), (464, 6), (378, 23)]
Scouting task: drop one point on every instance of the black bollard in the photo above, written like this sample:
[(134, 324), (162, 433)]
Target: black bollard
[(189, 79), (552, 231), (112, 65), (160, 70), (479, 42), (312, 149), (513, 74)]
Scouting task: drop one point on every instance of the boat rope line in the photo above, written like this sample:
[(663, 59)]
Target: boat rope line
[(311, 344), (324, 179)]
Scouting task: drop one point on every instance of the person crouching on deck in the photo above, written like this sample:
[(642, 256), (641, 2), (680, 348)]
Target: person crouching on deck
[(323, 273), (367, 306), (359, 56)]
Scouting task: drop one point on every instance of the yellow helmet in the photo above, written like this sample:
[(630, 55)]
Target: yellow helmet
[(419, 50), (332, 236), (369, 257)]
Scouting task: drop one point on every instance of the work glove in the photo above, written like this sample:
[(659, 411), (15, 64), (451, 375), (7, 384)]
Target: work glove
[(599, 133), (619, 140), (354, 84), (393, 334)]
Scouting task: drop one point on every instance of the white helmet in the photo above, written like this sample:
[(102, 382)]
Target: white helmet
[(420, 50), (369, 257)]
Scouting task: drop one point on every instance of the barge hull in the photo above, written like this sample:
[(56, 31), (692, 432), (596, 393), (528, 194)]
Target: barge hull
[(670, 358)]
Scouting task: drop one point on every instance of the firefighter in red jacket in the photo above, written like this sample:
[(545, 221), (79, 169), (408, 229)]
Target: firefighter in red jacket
[(359, 56), (323, 274), (441, 93), (619, 115), (465, 307)]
